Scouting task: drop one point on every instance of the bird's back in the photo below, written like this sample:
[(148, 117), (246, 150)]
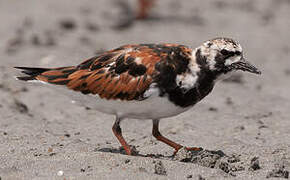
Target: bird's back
[(124, 73), (130, 73)]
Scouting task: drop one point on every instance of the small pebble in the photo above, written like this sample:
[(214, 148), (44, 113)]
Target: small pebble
[(92, 27), (189, 176), (213, 109), (279, 172), (200, 177), (159, 168), (20, 106), (50, 150), (60, 173), (67, 135), (67, 24), (229, 101), (287, 72), (255, 164)]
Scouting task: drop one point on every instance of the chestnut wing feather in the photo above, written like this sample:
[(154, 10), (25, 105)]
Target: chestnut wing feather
[(124, 73)]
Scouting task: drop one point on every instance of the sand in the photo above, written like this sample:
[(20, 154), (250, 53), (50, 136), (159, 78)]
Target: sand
[(243, 125)]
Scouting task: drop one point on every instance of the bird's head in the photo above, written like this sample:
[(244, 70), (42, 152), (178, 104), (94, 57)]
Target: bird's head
[(223, 55)]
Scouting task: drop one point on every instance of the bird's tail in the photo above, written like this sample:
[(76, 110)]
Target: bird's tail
[(48, 75), (30, 73)]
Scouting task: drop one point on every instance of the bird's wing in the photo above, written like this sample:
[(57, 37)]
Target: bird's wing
[(124, 73)]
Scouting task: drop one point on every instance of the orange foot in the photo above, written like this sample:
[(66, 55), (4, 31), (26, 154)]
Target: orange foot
[(131, 150)]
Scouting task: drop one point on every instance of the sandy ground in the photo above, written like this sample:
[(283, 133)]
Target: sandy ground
[(243, 125)]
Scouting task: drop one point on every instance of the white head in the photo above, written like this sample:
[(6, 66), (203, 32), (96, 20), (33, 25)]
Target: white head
[(223, 55)]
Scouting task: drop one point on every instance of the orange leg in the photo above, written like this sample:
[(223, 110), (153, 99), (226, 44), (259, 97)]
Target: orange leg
[(118, 133), (158, 136)]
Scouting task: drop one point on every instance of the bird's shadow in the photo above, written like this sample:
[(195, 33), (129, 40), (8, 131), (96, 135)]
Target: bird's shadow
[(121, 151), (194, 154), (216, 159)]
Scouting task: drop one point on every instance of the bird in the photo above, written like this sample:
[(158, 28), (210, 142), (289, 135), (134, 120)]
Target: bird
[(146, 81)]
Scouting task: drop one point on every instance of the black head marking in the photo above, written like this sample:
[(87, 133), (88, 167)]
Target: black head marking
[(225, 52), (238, 53), (209, 44)]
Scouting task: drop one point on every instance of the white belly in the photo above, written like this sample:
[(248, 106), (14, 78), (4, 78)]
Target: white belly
[(154, 107)]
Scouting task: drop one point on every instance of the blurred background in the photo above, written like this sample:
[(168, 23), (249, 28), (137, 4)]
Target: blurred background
[(51, 33), (59, 33)]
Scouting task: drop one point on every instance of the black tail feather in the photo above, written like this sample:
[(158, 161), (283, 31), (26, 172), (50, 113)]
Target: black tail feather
[(26, 78), (32, 72)]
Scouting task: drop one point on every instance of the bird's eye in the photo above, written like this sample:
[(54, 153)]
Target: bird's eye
[(225, 52)]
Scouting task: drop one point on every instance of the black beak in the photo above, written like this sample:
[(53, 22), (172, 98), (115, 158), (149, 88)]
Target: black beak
[(245, 66)]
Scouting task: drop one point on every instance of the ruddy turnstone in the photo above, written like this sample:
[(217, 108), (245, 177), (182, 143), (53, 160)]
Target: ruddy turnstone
[(146, 81)]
